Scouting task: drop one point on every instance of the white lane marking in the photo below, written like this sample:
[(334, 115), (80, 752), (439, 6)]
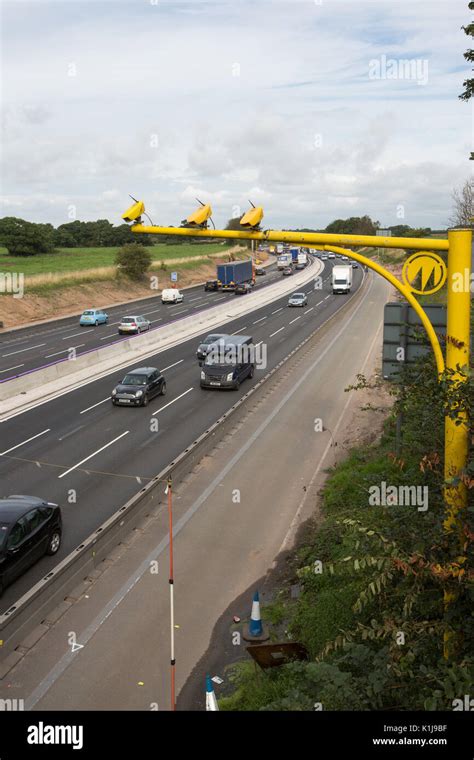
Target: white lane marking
[(195, 299), (30, 348), (237, 331), (23, 442), (325, 299), (10, 368), (259, 343), (219, 299), (94, 453), (294, 320), (181, 311), (152, 321), (276, 312), (308, 310), (74, 335), (276, 333), (172, 365), (172, 402), (94, 405), (48, 356), (152, 311), (200, 304), (259, 320)]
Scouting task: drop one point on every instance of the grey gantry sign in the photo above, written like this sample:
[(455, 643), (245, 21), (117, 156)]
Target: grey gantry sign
[(403, 335)]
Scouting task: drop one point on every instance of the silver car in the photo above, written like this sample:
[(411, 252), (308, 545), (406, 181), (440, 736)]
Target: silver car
[(129, 325), (298, 299)]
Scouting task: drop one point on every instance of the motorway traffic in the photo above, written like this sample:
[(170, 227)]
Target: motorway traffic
[(81, 452), (28, 348)]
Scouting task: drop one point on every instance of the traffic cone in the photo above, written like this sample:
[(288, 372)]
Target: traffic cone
[(211, 701), (256, 631)]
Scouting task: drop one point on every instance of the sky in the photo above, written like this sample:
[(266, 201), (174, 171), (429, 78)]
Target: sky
[(315, 109)]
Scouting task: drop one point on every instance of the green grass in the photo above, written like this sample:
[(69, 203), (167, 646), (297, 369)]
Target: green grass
[(76, 259)]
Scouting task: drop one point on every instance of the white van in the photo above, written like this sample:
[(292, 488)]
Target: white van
[(171, 295)]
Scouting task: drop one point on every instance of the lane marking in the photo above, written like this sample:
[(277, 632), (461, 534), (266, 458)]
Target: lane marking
[(48, 356), (30, 348), (195, 299), (94, 405), (10, 368), (181, 311), (23, 442), (259, 320), (308, 310), (295, 320), (276, 333), (94, 453), (240, 330), (74, 335), (172, 365), (276, 312), (172, 402)]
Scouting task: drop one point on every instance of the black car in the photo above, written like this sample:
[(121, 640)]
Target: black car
[(242, 289), (211, 285), (29, 528), (138, 387), (205, 345), (260, 270)]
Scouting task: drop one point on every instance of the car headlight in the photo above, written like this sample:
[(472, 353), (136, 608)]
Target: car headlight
[(230, 377), (114, 392), (203, 375), (138, 394)]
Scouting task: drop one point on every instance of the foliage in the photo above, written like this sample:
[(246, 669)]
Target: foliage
[(133, 260), (25, 238), (355, 225)]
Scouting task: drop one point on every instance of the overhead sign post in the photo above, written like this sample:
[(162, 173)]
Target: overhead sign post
[(423, 273)]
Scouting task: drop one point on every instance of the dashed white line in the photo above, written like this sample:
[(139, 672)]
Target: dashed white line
[(23, 442), (17, 366), (94, 405), (237, 331), (195, 299), (172, 402), (30, 348), (308, 310), (94, 453), (276, 312), (48, 356), (259, 320), (181, 311), (295, 320), (74, 335), (172, 365), (277, 331)]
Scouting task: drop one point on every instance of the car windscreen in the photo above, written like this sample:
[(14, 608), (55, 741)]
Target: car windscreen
[(298, 295), (127, 320), (88, 313), (339, 281), (210, 339), (134, 380)]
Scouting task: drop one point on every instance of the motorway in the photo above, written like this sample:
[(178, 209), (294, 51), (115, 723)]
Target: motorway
[(35, 346), (90, 457)]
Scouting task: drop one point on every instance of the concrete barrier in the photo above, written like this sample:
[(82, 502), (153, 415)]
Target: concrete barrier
[(50, 381)]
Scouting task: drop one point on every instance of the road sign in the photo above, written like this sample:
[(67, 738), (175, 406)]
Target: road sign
[(424, 272), (174, 277), (403, 335)]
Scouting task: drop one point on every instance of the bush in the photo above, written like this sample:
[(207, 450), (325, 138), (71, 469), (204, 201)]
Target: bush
[(133, 260), (23, 238)]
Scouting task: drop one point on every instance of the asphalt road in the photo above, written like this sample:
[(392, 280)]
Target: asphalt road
[(37, 346), (90, 457)]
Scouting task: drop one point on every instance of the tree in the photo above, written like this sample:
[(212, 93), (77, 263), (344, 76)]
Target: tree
[(468, 84), (23, 238), (355, 225), (463, 208), (133, 260), (234, 224)]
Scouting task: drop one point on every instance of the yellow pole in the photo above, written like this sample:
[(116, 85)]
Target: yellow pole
[(456, 437)]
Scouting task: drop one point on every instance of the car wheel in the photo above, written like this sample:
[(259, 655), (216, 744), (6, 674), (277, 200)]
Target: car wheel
[(54, 542), (97, 323), (139, 329), (145, 400), (236, 385), (251, 371), (163, 390), (114, 402)]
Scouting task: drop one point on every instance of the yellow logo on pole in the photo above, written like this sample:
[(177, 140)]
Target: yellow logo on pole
[(424, 272)]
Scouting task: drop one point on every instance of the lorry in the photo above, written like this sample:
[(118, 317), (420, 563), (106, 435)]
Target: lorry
[(284, 260), (341, 279), (294, 254), (302, 258), (234, 273), (279, 248)]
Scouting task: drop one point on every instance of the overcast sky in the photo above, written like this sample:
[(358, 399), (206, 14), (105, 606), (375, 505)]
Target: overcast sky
[(305, 107)]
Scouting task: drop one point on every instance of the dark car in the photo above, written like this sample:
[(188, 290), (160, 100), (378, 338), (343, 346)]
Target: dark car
[(211, 285), (29, 528), (138, 387), (355, 265), (205, 346), (234, 362), (287, 271), (260, 270), (242, 289)]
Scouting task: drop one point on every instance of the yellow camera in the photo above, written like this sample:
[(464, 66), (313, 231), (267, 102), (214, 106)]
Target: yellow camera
[(134, 213), (199, 217), (253, 217)]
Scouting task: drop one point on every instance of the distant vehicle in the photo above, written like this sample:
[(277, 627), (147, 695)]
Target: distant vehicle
[(29, 528), (211, 285), (234, 273), (295, 251), (303, 258), (341, 279), (298, 299), (331, 255), (260, 271), (345, 258), (355, 265), (93, 317), (287, 271), (138, 387), (243, 289), (135, 324), (284, 260), (324, 257), (279, 248), (209, 340), (171, 295), (233, 364), (300, 266)]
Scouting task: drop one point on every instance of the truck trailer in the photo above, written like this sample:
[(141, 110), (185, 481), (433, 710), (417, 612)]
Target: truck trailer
[(234, 273)]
